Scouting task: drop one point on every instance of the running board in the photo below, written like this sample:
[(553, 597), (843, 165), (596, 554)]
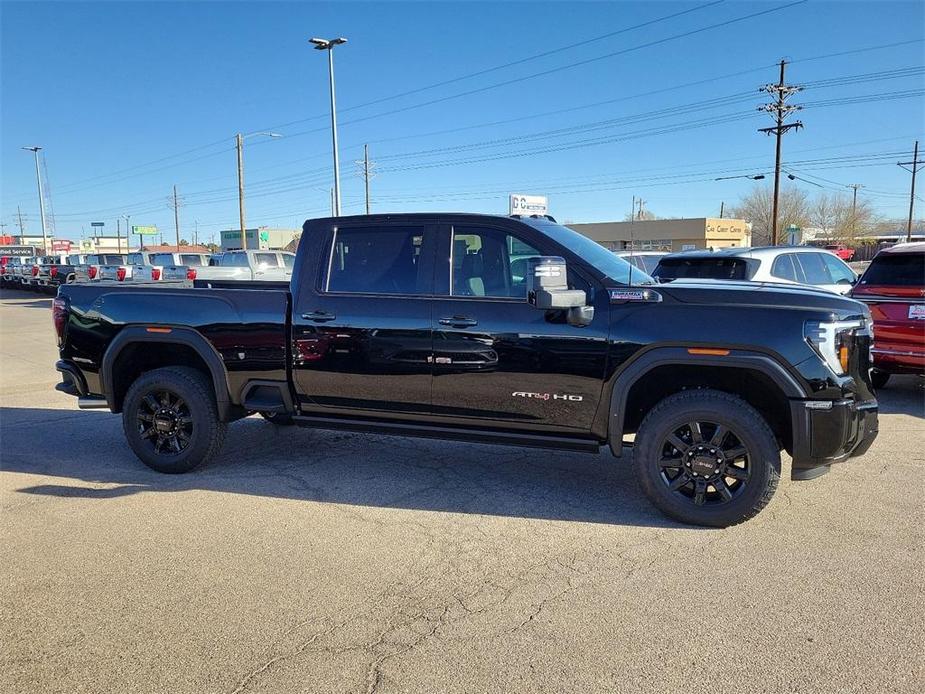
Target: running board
[(507, 438)]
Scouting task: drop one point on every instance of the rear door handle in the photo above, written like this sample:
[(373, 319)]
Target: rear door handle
[(458, 321), (319, 316)]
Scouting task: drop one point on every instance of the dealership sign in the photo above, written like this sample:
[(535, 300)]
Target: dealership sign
[(529, 204), (144, 231)]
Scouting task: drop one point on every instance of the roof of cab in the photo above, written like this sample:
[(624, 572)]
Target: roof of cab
[(915, 247)]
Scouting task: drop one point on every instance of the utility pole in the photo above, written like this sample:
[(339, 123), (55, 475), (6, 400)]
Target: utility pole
[(22, 226), (128, 231), (914, 164), (854, 207), (640, 202), (38, 178), (176, 216), (118, 235), (722, 208), (240, 143), (366, 171), (196, 233), (780, 110)]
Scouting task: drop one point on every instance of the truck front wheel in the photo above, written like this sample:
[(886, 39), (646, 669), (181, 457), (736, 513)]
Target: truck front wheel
[(171, 420), (707, 458)]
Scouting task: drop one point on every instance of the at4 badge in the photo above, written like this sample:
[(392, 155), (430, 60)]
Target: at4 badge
[(547, 396)]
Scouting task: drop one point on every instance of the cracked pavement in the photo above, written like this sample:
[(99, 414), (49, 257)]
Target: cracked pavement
[(311, 561)]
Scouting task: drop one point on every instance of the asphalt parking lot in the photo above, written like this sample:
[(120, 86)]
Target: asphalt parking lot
[(311, 561)]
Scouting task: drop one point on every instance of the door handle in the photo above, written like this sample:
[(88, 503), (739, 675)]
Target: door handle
[(319, 316), (458, 321)]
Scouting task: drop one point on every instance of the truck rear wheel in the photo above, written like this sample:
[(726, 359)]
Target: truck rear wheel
[(707, 458), (171, 420)]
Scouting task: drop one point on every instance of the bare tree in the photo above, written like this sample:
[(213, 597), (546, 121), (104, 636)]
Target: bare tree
[(757, 206), (840, 219)]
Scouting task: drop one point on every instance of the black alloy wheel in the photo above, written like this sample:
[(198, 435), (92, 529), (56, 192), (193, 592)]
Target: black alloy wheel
[(165, 422), (707, 457), (704, 463), (170, 419)]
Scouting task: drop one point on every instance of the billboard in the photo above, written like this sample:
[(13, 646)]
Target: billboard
[(528, 204), (144, 231), (61, 246)]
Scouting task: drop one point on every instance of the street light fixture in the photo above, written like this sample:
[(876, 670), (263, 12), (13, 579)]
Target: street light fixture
[(756, 177), (797, 178), (239, 142), (38, 179), (328, 45)]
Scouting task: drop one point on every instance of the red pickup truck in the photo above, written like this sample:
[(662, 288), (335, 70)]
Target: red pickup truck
[(894, 289), (841, 251)]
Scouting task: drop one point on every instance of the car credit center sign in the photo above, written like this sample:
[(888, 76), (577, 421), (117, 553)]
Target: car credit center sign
[(529, 204)]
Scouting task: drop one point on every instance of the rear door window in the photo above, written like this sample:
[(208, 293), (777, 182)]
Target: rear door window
[(702, 268), (378, 260), (192, 259), (896, 270), (266, 259), (288, 260), (134, 259), (814, 268), (784, 269)]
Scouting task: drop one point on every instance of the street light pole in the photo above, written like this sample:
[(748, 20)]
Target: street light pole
[(328, 45), (38, 179)]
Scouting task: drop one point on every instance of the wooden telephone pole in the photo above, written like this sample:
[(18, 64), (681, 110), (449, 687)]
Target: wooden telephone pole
[(913, 167), (780, 110)]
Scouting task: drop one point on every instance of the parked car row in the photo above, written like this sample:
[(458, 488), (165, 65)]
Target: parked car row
[(47, 273)]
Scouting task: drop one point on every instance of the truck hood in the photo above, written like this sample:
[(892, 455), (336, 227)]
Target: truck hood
[(760, 294)]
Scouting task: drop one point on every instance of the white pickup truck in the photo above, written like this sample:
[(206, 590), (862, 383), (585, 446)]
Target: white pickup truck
[(153, 271), (237, 265)]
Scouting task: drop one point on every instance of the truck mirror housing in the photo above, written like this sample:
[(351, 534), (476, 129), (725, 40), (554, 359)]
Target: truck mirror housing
[(547, 285)]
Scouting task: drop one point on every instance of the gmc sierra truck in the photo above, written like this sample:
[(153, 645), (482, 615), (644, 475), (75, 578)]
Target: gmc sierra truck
[(494, 330)]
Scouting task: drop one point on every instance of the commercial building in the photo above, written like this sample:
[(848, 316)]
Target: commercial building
[(668, 234), (104, 244), (262, 238)]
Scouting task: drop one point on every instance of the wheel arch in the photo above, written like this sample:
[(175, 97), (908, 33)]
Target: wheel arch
[(137, 349), (756, 377)]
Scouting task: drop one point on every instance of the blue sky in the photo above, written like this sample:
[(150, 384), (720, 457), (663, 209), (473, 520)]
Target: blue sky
[(129, 99)]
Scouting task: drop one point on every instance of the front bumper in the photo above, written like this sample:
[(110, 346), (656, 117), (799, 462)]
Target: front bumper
[(827, 432)]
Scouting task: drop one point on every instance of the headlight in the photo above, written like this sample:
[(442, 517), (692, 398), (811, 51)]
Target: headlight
[(830, 341)]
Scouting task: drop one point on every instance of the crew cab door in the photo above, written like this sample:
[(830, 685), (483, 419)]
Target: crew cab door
[(498, 361), (361, 320)]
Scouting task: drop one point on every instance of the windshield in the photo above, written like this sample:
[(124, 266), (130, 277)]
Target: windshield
[(596, 255)]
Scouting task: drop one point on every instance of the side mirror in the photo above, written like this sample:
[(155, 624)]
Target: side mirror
[(547, 285)]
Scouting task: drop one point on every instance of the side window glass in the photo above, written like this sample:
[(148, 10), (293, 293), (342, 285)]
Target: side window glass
[(814, 269), (841, 273), (377, 260), (783, 267), (288, 260), (489, 262), (267, 259)]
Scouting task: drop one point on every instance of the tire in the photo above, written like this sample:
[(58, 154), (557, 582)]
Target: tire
[(726, 477), (879, 378), (189, 410), (283, 420)]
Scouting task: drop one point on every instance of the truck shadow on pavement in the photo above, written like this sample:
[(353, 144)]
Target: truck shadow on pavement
[(336, 467), (355, 469)]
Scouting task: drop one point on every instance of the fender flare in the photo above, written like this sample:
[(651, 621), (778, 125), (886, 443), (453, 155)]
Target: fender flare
[(182, 336), (748, 359)]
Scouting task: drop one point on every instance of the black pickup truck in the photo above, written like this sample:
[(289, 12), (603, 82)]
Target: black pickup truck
[(495, 330)]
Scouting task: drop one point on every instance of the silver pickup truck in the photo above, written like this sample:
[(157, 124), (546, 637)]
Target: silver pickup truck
[(89, 269), (255, 265), (125, 271), (153, 270)]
